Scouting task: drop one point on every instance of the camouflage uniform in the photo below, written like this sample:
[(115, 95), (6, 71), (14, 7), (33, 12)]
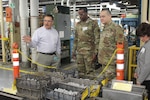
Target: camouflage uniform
[(111, 34), (86, 44)]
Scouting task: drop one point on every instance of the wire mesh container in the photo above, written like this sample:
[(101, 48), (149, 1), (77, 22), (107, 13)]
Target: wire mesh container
[(32, 86)]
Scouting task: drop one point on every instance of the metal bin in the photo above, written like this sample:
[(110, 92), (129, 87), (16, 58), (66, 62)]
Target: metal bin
[(55, 95), (137, 93)]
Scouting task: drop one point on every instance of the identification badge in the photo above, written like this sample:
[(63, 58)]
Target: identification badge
[(142, 50), (84, 28)]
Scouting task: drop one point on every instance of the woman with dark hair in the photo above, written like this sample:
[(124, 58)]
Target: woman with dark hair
[(142, 72)]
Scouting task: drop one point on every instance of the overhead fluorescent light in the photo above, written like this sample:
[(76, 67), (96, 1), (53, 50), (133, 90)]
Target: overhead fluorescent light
[(131, 6), (113, 6)]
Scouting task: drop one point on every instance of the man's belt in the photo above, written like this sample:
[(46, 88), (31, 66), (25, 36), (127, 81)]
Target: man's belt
[(47, 53)]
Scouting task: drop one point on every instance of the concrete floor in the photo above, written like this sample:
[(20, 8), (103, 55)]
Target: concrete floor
[(6, 79), (6, 76)]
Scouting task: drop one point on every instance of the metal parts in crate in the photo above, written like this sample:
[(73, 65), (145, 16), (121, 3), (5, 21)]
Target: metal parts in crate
[(137, 93), (8, 96), (32, 87), (92, 86), (71, 72), (60, 91)]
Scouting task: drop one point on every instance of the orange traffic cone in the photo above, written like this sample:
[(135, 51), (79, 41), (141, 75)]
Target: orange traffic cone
[(120, 61), (15, 58)]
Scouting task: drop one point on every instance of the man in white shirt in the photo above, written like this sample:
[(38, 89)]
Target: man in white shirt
[(46, 40)]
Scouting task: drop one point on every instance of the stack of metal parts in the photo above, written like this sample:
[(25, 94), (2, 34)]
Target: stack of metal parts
[(60, 91), (91, 87), (32, 87), (56, 77), (70, 72), (56, 86)]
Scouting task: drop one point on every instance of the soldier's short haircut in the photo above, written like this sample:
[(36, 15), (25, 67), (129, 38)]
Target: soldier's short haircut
[(84, 9), (107, 9), (143, 29)]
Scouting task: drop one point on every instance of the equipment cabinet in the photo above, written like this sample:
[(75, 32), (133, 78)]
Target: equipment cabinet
[(63, 26)]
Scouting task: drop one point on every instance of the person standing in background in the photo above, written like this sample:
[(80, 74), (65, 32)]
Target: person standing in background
[(111, 34), (86, 42), (142, 72), (46, 40)]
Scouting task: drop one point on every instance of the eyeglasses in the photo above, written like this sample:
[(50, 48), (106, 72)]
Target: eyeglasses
[(48, 21)]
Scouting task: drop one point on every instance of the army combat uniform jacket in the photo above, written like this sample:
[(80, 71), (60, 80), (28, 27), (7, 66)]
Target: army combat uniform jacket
[(111, 34), (86, 37)]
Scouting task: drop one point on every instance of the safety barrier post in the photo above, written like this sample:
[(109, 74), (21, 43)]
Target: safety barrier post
[(15, 59), (120, 61)]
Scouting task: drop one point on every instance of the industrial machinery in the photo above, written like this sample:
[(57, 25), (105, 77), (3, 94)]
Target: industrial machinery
[(63, 26), (125, 90)]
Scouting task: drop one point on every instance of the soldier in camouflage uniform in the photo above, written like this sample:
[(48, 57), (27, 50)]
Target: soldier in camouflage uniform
[(110, 35), (85, 42)]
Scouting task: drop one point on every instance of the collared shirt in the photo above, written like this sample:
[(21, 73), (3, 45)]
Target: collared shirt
[(46, 40)]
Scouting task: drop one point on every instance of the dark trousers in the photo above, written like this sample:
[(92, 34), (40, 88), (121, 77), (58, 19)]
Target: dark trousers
[(147, 84)]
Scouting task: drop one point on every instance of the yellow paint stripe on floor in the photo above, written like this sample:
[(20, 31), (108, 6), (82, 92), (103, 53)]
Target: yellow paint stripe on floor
[(10, 90)]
